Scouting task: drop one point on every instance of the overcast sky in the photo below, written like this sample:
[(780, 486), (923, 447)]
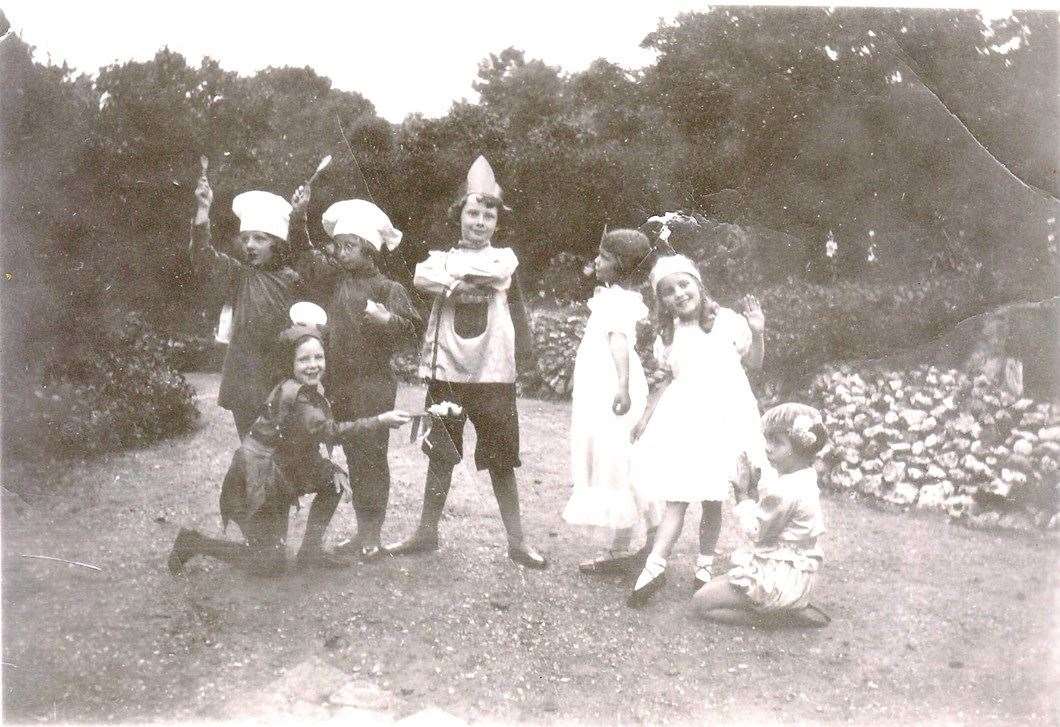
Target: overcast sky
[(403, 56)]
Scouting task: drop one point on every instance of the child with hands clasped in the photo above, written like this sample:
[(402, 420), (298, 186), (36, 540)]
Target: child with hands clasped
[(264, 286), (608, 399), (774, 576), (286, 454), (370, 318), (701, 419)]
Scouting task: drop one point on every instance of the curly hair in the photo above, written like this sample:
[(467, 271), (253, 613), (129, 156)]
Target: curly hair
[(664, 318), (784, 418)]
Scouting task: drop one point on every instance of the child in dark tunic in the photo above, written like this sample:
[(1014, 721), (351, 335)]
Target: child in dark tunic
[(371, 317), (264, 288), (285, 454)]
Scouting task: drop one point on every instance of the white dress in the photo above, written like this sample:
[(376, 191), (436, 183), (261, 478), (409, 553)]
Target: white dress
[(600, 446), (705, 418)]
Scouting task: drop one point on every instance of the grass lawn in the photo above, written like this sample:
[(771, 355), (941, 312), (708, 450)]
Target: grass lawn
[(932, 622)]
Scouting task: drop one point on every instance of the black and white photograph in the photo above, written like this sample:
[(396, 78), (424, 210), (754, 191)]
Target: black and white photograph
[(530, 363)]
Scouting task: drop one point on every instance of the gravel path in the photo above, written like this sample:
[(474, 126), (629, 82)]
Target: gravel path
[(933, 623)]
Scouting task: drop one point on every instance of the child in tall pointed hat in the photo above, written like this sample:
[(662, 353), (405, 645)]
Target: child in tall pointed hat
[(371, 319), (476, 333), (262, 285)]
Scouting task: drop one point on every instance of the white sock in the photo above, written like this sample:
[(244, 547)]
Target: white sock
[(653, 567), (704, 566)]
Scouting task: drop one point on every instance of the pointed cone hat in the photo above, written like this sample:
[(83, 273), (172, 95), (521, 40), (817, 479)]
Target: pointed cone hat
[(481, 180)]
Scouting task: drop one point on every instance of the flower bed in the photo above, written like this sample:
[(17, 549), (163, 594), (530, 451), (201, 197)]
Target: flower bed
[(937, 439)]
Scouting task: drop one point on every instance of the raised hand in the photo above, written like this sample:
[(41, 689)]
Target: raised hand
[(300, 200), (204, 194), (752, 311)]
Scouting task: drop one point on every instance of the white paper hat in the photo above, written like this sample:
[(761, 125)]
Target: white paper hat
[(262, 212), (305, 313), (362, 218), (670, 264), (481, 180)]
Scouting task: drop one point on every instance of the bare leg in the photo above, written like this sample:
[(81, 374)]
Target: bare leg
[(709, 527), (507, 494), (435, 492), (669, 530)]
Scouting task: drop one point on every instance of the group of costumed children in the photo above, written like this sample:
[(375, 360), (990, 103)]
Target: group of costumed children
[(637, 457)]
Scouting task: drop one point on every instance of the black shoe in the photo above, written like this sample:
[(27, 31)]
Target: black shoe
[(527, 557), (640, 558), (810, 617), (610, 563), (642, 595), (183, 550), (418, 543), (698, 583)]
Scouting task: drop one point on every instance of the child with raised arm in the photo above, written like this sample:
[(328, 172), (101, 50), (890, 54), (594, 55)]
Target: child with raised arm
[(701, 419), (476, 332), (608, 398), (285, 454), (265, 286), (771, 580), (370, 318)]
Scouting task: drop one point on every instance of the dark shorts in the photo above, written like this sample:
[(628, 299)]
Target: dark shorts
[(491, 409)]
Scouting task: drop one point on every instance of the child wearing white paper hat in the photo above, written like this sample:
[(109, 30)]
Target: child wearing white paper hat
[(371, 318), (702, 418), (264, 287), (476, 334)]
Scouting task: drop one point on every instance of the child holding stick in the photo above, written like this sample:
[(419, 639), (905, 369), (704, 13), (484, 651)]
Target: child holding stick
[(371, 317), (476, 332), (265, 287), (285, 454)]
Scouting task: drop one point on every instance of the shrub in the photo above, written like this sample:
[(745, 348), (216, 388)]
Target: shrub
[(120, 393)]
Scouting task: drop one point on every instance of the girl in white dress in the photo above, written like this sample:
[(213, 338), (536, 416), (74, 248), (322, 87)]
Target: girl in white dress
[(609, 394), (698, 423)]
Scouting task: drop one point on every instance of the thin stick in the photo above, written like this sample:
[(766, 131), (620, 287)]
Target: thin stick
[(62, 560)]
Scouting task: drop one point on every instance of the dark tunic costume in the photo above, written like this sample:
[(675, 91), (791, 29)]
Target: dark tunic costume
[(263, 297), (280, 459), (359, 378)]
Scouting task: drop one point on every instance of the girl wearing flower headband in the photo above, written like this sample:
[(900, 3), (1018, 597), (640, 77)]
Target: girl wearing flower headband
[(608, 398), (700, 420), (774, 576), (286, 454)]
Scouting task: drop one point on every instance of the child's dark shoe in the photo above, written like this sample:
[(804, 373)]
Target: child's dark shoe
[(527, 557), (643, 593), (183, 550), (810, 617), (610, 562), (420, 542)]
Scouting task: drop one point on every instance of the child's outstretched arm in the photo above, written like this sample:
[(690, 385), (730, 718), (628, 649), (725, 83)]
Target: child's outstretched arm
[(756, 321), (620, 355)]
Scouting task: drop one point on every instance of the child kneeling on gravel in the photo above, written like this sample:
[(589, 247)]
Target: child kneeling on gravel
[(286, 454), (770, 581)]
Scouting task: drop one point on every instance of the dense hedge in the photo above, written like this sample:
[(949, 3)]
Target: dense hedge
[(119, 393)]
